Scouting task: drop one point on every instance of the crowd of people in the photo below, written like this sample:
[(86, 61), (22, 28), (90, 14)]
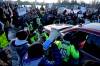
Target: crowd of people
[(31, 45)]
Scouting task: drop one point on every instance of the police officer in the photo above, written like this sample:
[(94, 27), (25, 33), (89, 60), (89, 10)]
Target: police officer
[(39, 35), (68, 51)]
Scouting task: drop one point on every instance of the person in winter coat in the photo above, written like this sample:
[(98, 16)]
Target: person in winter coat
[(19, 45), (34, 56), (37, 57)]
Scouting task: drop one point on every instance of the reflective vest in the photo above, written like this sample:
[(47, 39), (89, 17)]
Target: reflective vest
[(67, 50), (38, 20), (3, 41), (30, 27), (45, 35), (36, 37)]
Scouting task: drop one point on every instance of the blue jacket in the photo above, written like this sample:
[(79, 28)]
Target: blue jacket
[(54, 54)]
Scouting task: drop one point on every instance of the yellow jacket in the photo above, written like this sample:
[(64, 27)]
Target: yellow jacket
[(3, 41)]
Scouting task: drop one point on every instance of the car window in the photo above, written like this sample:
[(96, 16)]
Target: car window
[(92, 45), (75, 37), (93, 39)]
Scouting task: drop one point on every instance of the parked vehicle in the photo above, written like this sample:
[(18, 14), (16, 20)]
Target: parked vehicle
[(86, 37)]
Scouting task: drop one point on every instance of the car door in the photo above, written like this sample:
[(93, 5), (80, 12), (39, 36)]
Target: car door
[(91, 45), (75, 37), (91, 48)]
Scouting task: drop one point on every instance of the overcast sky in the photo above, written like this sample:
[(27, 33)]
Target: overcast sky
[(54, 1)]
